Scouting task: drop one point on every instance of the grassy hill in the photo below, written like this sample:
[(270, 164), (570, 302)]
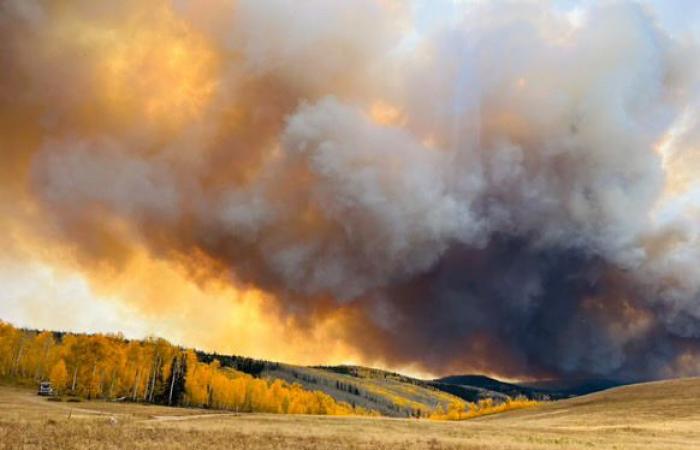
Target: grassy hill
[(398, 395), (665, 414), (662, 415), (390, 393), (155, 371)]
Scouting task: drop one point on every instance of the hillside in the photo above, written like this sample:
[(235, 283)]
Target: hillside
[(389, 393), (398, 395), (109, 367), (651, 416), (155, 371), (643, 407)]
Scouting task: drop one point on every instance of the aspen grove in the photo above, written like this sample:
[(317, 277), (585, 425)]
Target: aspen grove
[(109, 367)]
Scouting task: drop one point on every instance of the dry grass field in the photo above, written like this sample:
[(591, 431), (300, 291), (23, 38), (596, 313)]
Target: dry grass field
[(664, 415)]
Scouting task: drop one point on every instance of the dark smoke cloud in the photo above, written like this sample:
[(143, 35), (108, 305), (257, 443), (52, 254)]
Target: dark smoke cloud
[(509, 189), (512, 308)]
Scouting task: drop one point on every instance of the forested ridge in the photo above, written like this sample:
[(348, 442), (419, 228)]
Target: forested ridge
[(152, 370), (109, 366)]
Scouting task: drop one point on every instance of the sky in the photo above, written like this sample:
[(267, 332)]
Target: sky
[(503, 187)]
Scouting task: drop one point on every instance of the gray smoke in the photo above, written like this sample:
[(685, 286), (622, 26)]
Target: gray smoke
[(509, 188)]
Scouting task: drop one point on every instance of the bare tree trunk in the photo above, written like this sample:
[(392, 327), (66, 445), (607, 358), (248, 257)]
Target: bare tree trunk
[(19, 356), (92, 380), (174, 373), (75, 379), (153, 381), (147, 392), (136, 384), (111, 386)]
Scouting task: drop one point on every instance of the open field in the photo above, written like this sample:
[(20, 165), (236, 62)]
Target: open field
[(662, 415)]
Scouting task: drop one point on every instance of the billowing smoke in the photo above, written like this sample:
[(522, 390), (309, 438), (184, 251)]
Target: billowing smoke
[(506, 187)]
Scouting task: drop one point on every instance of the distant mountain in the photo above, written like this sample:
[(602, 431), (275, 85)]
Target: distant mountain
[(480, 386), (574, 387), (473, 388)]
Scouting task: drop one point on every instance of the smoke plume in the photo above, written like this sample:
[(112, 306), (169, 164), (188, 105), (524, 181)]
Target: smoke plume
[(508, 187)]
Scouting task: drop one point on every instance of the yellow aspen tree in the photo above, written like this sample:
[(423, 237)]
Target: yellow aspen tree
[(59, 376), (9, 336), (41, 349)]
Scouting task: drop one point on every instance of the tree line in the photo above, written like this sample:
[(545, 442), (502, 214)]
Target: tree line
[(484, 407), (108, 366)]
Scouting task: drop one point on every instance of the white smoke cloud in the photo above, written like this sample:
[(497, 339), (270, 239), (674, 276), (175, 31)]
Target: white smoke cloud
[(349, 205), (75, 175)]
